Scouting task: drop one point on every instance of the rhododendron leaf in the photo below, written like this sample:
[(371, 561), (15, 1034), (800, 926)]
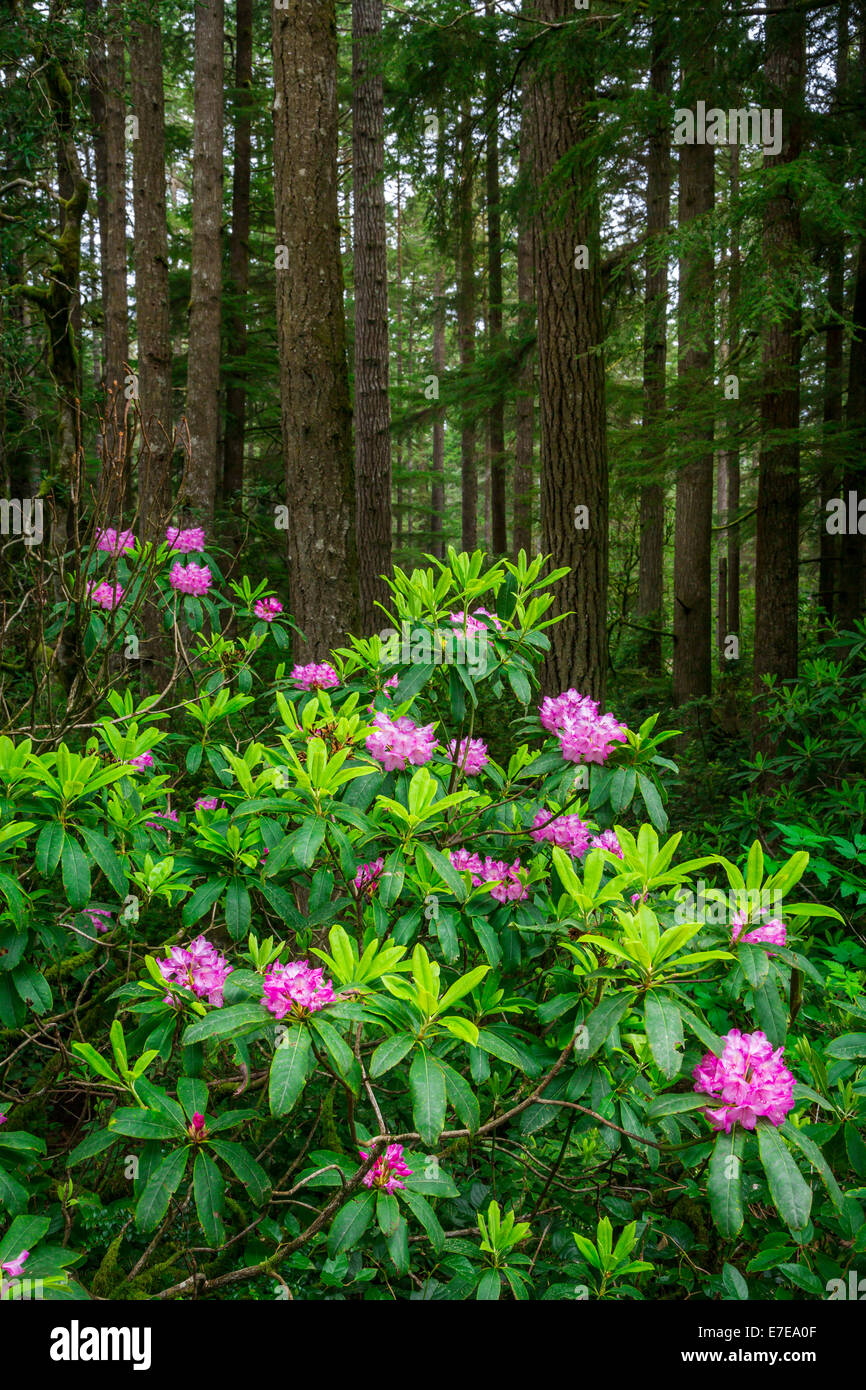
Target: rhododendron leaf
[(209, 1190), (414, 681), (462, 1097), (675, 1104), (788, 1188), (23, 1233), (204, 897), (13, 1196), (398, 1247), (351, 1222), (664, 1027), (812, 1152), (489, 1286), (601, 1023), (49, 845), (33, 987), (847, 1046), (391, 879), (144, 1124), (462, 987), (445, 869), (653, 803), (771, 1011), (387, 1213), (283, 904), (105, 856), (724, 1182), (734, 1283), (461, 1028), (292, 1064), (700, 1029), (248, 1172), (783, 880), (161, 1187), (234, 1019), (155, 1098), (339, 1053), (76, 872), (755, 963), (307, 840), (424, 1213), (390, 1052), (488, 938), (193, 1095), (428, 1091), (755, 866), (237, 908)]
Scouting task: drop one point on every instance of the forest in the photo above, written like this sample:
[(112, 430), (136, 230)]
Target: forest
[(432, 652)]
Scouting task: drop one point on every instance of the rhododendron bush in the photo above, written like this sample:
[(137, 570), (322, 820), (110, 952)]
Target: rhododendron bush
[(385, 978)]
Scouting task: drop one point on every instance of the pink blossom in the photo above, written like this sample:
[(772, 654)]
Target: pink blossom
[(583, 733), (104, 595), (210, 803), (471, 757), (190, 579), (503, 879), (296, 989), (187, 542), (163, 816), (267, 609), (607, 840), (142, 761), (368, 875), (316, 676), (199, 967), (2, 1119), (96, 914), (197, 1128), (472, 621), (751, 1080), (114, 542), (774, 932), (569, 832), (394, 742), (387, 1169), (15, 1268)]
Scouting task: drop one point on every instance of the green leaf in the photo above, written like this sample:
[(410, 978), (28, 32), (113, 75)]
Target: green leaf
[(307, 840), (849, 1045), (387, 1213), (204, 897), (227, 1022), (106, 857), (292, 1064), (91, 1146), (489, 1286), (390, 1052), (664, 1027), (428, 1092), (351, 1222), (771, 1012), (49, 846), (193, 1095), (462, 1097), (445, 869), (339, 1053), (23, 1233), (209, 1189), (788, 1188), (653, 802), (423, 1211), (734, 1282), (76, 873), (159, 1190), (412, 682), (600, 1024), (238, 910), (724, 1183), (391, 880), (248, 1172), (33, 987), (143, 1124)]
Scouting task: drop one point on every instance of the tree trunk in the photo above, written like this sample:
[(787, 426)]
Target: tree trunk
[(778, 512), (372, 411), (852, 588), (437, 486), (694, 494), (574, 479), (731, 457), (658, 192), (314, 381), (239, 261), (466, 326), (524, 429), (496, 414), (205, 299)]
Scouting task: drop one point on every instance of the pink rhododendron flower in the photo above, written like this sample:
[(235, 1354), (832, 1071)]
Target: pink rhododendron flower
[(199, 967), (197, 1128), (751, 1080), (96, 915), (368, 875), (267, 609), (142, 761), (163, 816), (104, 595), (187, 542), (2, 1119), (15, 1268), (569, 832), (296, 988), (502, 878), (774, 932), (114, 542), (210, 803), (391, 684), (583, 733), (607, 840), (316, 676), (472, 621), (190, 579), (471, 757), (395, 742), (388, 1169)]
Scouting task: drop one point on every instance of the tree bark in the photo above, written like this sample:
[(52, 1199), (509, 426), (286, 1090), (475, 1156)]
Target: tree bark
[(466, 326), (658, 192), (731, 457), (314, 382), (496, 413), (205, 301), (574, 477), (437, 485), (777, 531), (239, 261), (524, 429), (372, 410), (852, 587)]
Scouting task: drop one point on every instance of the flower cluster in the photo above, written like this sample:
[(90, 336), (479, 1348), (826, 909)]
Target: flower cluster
[(210, 803), (503, 879), (569, 832), (750, 1079), (297, 988), (190, 579), (607, 840), (583, 733), (267, 609), (160, 824), (96, 915), (472, 756), (187, 542), (774, 932), (198, 967), (472, 621), (2, 1119), (114, 542), (142, 761), (395, 742), (316, 675), (388, 1169), (104, 595), (368, 876), (15, 1268)]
